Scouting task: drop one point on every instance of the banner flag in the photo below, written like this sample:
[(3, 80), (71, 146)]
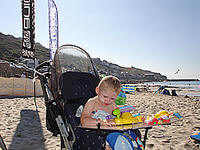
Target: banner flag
[(28, 29), (53, 28)]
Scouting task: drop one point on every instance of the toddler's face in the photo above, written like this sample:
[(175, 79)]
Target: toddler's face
[(107, 97)]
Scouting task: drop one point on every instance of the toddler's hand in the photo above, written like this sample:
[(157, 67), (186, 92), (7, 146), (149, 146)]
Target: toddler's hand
[(109, 122)]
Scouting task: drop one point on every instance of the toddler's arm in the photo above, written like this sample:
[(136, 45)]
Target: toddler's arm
[(86, 114)]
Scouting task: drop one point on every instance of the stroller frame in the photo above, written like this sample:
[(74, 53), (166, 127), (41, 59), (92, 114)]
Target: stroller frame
[(56, 120), (62, 124), (54, 99)]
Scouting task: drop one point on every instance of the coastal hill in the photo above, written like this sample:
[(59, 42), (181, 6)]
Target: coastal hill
[(10, 51), (127, 74)]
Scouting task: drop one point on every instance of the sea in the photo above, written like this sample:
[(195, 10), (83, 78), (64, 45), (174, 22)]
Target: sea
[(190, 88)]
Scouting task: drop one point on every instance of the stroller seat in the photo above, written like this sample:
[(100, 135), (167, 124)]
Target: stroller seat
[(67, 84), (76, 89)]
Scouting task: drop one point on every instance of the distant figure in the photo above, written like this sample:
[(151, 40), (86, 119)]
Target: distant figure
[(160, 89), (174, 93), (23, 76), (165, 92), (177, 71)]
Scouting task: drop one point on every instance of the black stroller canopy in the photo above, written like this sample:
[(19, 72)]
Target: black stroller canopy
[(70, 58), (73, 58)]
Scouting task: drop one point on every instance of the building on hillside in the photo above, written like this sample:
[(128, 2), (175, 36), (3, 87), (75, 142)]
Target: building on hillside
[(149, 76), (5, 70), (114, 66), (30, 63), (104, 62)]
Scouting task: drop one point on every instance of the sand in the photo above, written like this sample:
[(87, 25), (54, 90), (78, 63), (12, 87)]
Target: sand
[(23, 126), (177, 135)]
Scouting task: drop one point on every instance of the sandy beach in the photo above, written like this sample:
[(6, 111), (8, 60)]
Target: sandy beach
[(22, 122)]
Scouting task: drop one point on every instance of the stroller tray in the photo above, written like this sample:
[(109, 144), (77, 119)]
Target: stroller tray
[(119, 127)]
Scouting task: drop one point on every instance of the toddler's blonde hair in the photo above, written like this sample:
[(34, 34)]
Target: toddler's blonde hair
[(110, 83)]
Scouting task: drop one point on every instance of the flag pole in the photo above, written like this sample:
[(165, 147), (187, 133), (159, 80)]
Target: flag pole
[(34, 84), (53, 28), (28, 35)]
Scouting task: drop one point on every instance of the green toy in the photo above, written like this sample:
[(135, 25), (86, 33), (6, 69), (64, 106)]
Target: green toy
[(121, 98)]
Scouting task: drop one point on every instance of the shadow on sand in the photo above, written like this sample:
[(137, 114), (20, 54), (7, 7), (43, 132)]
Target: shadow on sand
[(28, 134)]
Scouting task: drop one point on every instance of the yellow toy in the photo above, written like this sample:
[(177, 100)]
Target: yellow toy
[(161, 113), (125, 117), (139, 117)]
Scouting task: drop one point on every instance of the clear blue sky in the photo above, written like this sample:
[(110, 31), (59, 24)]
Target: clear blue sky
[(157, 35)]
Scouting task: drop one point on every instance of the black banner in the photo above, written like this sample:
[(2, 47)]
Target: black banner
[(28, 29)]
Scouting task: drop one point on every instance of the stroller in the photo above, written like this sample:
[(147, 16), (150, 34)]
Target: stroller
[(67, 83)]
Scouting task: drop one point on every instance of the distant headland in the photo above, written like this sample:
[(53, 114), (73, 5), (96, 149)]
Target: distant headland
[(182, 79)]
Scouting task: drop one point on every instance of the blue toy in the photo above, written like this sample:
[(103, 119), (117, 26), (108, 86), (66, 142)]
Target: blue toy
[(196, 137)]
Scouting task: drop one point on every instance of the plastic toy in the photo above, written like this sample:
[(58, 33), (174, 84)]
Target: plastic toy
[(162, 117), (160, 113), (176, 115), (139, 117), (126, 118), (123, 115), (121, 98), (123, 109), (118, 111), (153, 121)]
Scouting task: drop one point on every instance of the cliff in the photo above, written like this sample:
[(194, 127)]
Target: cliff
[(127, 74)]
